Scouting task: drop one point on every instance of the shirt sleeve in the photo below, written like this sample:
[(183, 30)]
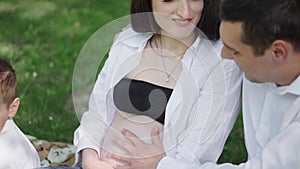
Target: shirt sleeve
[(282, 151), (216, 110), (94, 122)]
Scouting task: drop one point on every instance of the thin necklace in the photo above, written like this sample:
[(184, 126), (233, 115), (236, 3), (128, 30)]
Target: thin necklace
[(168, 75)]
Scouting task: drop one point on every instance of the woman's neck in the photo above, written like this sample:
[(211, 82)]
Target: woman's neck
[(175, 45)]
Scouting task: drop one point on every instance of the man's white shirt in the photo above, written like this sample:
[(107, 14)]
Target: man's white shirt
[(272, 129)]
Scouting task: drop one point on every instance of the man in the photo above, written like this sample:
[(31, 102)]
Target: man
[(263, 38)]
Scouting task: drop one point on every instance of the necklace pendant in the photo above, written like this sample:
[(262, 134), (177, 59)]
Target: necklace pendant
[(167, 79)]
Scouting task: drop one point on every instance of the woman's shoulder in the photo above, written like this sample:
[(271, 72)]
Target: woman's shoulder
[(218, 44), (130, 37)]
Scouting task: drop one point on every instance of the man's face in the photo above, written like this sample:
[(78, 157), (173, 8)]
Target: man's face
[(256, 68)]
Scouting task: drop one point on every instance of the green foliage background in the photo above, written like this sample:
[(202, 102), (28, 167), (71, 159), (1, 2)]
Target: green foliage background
[(42, 39)]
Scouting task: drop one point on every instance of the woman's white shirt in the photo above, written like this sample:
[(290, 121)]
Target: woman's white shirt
[(201, 110)]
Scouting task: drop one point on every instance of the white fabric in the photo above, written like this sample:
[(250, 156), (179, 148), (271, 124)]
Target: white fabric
[(16, 151), (272, 129), (200, 113)]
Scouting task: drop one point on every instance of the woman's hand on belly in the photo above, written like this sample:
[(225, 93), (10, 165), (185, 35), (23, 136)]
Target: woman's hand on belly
[(140, 154), (141, 126), (90, 160)]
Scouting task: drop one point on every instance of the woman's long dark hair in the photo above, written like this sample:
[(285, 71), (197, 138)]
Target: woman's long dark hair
[(142, 19)]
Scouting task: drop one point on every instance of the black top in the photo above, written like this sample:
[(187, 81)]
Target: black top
[(142, 98)]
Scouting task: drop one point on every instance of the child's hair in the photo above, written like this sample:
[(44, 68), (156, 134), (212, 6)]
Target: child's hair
[(8, 82)]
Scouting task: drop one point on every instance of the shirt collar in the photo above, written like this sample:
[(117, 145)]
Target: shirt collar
[(7, 126), (138, 40), (203, 51), (191, 52), (133, 39), (293, 88)]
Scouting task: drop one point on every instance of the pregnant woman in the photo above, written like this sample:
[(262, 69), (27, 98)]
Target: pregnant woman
[(165, 71)]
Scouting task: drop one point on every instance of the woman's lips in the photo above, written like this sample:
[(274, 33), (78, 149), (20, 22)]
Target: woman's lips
[(182, 22)]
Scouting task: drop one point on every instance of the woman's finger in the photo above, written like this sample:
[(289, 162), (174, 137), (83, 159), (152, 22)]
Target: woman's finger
[(123, 159), (132, 137), (127, 146), (155, 136)]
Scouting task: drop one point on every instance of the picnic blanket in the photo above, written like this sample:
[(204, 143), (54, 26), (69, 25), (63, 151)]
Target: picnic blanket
[(54, 153)]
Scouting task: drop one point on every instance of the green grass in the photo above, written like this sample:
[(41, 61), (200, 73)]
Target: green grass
[(42, 39), (235, 150)]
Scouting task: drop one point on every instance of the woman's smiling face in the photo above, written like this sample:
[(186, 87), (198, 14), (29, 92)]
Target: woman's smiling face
[(177, 18)]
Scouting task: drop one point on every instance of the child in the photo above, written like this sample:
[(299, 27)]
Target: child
[(16, 151)]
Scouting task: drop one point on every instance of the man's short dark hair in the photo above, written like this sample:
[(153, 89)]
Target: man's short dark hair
[(265, 21)]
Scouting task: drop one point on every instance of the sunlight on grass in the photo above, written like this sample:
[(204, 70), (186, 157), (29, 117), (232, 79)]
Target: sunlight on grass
[(35, 9), (6, 6), (8, 50), (28, 9)]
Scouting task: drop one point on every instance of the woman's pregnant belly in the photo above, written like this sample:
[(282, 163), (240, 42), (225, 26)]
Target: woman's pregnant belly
[(138, 124)]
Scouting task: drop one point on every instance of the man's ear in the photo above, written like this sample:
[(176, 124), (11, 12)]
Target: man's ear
[(13, 107), (281, 49)]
